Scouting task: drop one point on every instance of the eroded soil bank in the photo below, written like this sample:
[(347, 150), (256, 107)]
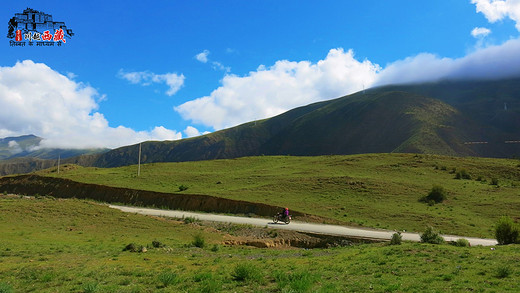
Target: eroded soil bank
[(65, 188)]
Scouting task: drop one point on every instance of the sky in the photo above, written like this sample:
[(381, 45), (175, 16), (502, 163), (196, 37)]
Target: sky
[(165, 70)]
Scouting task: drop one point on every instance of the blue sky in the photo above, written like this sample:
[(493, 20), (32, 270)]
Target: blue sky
[(164, 70)]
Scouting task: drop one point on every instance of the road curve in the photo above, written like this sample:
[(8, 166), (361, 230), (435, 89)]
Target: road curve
[(297, 226)]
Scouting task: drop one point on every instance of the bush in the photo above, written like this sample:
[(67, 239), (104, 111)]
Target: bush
[(168, 278), (503, 272), (157, 244), (437, 195), (90, 287), (132, 247), (506, 232), (461, 242), (301, 281), (462, 174), (396, 239), (199, 241), (494, 181), (431, 236), (183, 187), (246, 272), (189, 220), (5, 288)]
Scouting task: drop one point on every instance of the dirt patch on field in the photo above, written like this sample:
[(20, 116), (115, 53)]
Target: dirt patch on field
[(274, 238)]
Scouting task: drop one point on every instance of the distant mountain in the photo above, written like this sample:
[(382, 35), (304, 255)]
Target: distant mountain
[(21, 154), (13, 146), (458, 118), (27, 146)]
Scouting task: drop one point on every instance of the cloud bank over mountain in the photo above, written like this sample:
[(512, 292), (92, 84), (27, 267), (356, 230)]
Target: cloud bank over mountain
[(272, 90)]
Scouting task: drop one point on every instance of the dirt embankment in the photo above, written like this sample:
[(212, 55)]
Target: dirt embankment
[(64, 188)]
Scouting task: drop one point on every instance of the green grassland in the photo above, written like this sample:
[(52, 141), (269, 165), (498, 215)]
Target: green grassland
[(372, 190), (54, 245)]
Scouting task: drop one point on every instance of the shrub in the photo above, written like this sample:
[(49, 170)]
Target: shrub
[(396, 239), (168, 278), (494, 181), (431, 236), (462, 174), (503, 272), (437, 194), (246, 272), (199, 241), (506, 232), (297, 282), (183, 187), (215, 248), (189, 220), (90, 287), (5, 288), (157, 244), (210, 286), (132, 247), (461, 242)]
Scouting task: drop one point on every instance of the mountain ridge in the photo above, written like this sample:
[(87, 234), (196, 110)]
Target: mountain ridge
[(445, 118)]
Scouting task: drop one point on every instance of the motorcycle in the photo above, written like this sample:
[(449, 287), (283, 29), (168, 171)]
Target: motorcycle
[(280, 217)]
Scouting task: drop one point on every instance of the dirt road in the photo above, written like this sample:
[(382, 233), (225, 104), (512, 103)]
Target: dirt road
[(297, 226)]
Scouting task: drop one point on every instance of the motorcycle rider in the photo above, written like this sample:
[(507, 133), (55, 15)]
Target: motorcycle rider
[(285, 213)]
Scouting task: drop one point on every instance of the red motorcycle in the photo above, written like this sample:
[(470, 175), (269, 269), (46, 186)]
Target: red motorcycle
[(280, 217)]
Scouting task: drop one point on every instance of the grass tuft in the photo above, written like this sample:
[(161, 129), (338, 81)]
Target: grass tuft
[(246, 272)]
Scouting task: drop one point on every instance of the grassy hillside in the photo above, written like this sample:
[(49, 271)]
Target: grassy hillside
[(375, 190), (376, 122), (432, 118), (77, 246)]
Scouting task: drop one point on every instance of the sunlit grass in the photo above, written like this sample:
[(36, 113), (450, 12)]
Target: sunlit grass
[(374, 190), (77, 246)]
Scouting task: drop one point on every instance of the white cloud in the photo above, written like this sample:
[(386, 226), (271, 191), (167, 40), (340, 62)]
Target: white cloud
[(219, 66), (270, 91), (191, 131), (480, 32), (488, 63), (14, 147), (495, 10), (203, 56), (173, 80), (34, 99)]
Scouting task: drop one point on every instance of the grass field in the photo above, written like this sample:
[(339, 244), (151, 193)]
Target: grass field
[(373, 190), (50, 245)]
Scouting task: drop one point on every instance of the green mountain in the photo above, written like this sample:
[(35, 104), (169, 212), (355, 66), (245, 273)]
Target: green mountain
[(457, 118)]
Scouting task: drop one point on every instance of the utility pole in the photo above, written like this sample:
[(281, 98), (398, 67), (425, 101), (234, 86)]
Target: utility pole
[(139, 161)]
